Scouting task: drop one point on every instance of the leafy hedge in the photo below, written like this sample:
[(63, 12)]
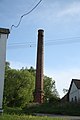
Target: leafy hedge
[(59, 108)]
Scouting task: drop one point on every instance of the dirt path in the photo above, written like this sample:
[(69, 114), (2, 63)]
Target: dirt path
[(59, 116)]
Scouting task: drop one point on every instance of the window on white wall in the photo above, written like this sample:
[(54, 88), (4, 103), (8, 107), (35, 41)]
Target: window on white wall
[(72, 100), (75, 99)]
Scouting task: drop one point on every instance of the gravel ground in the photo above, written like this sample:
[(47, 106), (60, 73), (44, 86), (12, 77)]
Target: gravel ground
[(59, 116)]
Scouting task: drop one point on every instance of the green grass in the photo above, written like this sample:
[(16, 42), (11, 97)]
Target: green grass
[(24, 117), (28, 112), (62, 109)]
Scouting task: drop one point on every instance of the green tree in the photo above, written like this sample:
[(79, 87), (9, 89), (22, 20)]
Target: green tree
[(7, 66), (18, 87), (50, 92), (20, 84), (32, 71)]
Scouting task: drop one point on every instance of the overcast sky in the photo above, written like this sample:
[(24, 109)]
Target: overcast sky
[(60, 20)]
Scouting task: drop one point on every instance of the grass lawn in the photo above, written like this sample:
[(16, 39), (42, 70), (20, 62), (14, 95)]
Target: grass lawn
[(28, 112), (25, 117)]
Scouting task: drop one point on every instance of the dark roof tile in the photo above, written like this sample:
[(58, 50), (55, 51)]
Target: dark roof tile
[(77, 83)]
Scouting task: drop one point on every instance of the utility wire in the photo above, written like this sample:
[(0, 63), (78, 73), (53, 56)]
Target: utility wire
[(63, 41), (21, 43), (68, 39), (46, 43), (16, 26)]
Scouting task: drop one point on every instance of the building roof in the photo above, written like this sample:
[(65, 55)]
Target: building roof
[(65, 98), (77, 83), (4, 31)]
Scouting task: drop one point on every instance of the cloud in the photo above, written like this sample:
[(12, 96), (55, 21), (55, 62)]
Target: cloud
[(71, 9), (49, 14)]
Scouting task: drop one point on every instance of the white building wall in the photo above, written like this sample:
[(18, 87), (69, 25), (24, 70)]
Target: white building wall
[(74, 93), (3, 38), (79, 95)]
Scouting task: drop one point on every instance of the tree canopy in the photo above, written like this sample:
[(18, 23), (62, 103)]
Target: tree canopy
[(20, 84)]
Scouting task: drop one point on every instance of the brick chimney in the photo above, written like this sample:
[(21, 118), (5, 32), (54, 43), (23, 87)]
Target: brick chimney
[(39, 94)]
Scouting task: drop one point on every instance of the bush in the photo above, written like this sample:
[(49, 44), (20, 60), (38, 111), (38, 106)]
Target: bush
[(50, 108), (16, 110)]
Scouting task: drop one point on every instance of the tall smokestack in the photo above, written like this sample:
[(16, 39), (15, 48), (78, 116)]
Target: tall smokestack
[(39, 68)]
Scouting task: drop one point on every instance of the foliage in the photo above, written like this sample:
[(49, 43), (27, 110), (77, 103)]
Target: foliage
[(24, 117), (50, 91), (13, 110), (68, 109), (32, 71), (50, 108), (18, 87), (47, 108), (40, 108), (20, 84)]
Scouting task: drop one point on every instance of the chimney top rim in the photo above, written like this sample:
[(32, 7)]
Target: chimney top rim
[(40, 30)]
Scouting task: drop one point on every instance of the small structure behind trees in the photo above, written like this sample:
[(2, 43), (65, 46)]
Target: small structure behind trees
[(73, 94)]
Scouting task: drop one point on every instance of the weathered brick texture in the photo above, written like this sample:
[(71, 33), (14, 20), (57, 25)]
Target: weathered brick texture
[(39, 68)]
